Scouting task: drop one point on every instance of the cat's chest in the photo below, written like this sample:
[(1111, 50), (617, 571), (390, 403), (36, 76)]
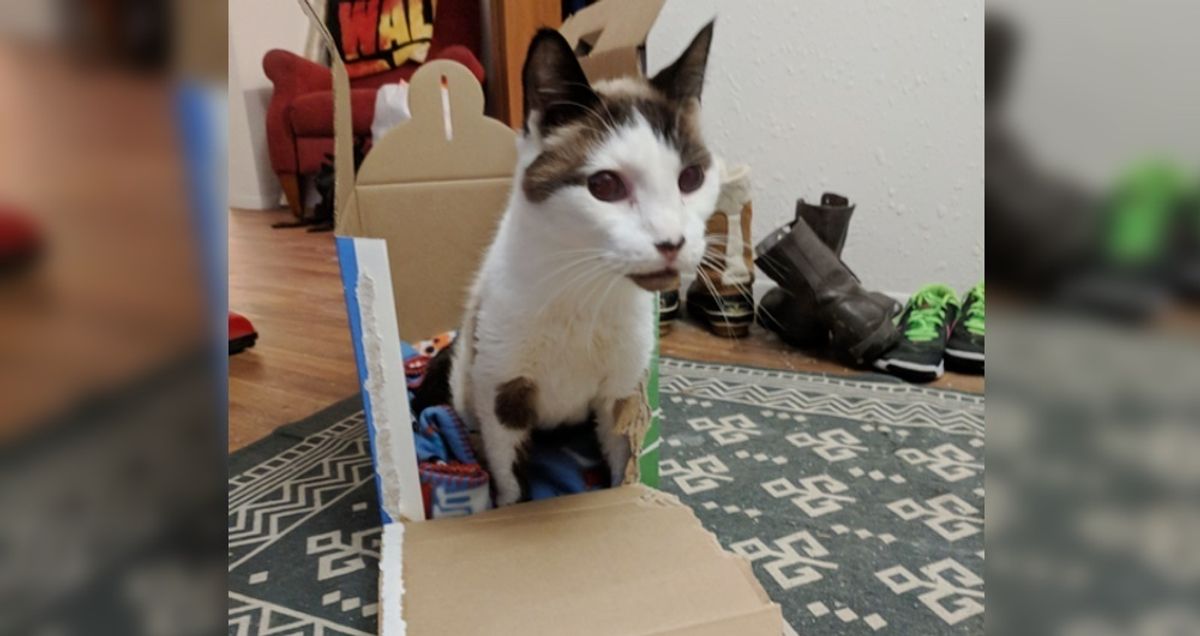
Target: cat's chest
[(590, 350), (580, 359)]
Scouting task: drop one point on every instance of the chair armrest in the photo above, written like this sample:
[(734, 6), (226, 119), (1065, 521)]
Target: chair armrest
[(294, 75), (291, 76)]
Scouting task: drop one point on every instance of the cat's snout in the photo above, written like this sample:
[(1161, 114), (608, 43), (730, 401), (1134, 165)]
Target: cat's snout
[(669, 250)]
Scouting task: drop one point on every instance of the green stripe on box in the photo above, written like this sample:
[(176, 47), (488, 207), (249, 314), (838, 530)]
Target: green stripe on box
[(648, 461)]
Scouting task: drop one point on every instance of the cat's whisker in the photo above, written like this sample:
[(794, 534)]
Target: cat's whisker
[(596, 314), (611, 120), (564, 269), (708, 283), (591, 268), (586, 108)]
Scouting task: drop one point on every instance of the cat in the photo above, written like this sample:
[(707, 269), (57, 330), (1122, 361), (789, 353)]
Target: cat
[(612, 190)]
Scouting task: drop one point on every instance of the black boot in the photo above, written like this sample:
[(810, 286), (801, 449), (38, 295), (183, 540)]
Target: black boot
[(804, 265), (794, 317)]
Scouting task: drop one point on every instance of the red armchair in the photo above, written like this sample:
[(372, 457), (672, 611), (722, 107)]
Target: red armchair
[(300, 115)]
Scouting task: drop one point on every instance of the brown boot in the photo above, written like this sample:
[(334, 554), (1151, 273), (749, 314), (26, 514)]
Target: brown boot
[(722, 295), (794, 318), (859, 321)]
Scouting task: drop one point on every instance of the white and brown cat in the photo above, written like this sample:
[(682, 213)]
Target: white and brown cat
[(612, 190)]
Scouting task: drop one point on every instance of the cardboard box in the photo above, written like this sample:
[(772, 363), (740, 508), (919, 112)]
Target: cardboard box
[(412, 227), (609, 37)]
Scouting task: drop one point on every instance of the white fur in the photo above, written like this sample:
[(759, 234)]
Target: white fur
[(553, 302)]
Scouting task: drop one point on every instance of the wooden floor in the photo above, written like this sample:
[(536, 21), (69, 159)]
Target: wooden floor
[(287, 283)]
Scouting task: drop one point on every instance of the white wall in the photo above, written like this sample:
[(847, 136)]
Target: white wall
[(880, 101), (255, 27), (1099, 86)]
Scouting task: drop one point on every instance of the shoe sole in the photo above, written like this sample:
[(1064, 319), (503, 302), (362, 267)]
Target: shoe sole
[(723, 323), (965, 356), (914, 371), (965, 361)]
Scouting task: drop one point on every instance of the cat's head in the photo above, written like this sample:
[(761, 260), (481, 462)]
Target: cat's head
[(618, 171)]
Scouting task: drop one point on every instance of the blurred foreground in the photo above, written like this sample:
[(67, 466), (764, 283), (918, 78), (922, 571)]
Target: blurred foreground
[(111, 366), (1093, 229)]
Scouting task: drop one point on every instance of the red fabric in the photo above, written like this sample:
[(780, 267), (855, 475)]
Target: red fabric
[(311, 115), (20, 237), (299, 83), (239, 326), (311, 153)]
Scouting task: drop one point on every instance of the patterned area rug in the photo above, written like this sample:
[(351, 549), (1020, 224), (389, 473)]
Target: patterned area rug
[(858, 501)]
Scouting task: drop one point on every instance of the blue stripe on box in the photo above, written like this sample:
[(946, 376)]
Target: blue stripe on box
[(348, 260)]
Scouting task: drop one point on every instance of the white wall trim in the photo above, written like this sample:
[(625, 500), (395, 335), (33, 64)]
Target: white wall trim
[(253, 201)]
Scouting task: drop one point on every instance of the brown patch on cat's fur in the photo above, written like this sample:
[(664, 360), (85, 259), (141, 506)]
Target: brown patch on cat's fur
[(568, 145), (515, 404)]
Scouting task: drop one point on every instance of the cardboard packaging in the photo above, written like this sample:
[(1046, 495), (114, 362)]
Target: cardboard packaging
[(609, 37), (412, 226)]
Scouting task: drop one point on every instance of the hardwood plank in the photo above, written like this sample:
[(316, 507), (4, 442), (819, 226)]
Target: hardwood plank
[(287, 282)]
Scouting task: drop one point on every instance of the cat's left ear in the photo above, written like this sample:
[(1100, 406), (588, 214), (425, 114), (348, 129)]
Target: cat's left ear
[(684, 79)]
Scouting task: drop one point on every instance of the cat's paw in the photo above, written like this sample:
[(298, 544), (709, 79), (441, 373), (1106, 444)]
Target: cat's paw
[(508, 491)]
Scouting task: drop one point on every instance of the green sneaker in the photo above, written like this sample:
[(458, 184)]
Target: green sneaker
[(964, 350), (925, 325)]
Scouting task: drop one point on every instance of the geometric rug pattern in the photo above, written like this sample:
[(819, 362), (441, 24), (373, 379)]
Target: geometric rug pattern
[(858, 502)]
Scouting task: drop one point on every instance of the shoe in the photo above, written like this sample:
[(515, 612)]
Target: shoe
[(926, 324), (242, 335), (21, 241), (794, 318), (964, 349), (722, 295), (860, 322), (668, 310)]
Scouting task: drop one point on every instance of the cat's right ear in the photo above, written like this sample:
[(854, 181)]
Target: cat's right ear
[(555, 85)]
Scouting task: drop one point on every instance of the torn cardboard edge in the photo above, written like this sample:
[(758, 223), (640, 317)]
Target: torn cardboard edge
[(391, 581), (376, 340)]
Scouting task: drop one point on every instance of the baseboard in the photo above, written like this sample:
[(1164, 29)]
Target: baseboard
[(252, 201)]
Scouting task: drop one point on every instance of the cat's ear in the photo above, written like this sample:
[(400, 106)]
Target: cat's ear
[(555, 86), (684, 79)]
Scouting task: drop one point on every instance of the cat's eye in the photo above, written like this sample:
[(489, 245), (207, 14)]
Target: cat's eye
[(691, 179), (607, 185)]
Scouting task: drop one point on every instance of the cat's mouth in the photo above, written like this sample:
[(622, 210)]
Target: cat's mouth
[(661, 280)]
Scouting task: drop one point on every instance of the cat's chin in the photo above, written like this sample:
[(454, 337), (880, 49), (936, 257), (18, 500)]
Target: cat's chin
[(661, 280)]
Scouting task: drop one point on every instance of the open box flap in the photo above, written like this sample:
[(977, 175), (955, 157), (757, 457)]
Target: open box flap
[(653, 570), (609, 36)]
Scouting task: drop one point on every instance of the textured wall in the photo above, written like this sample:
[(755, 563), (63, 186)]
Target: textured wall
[(881, 101), (1099, 86)]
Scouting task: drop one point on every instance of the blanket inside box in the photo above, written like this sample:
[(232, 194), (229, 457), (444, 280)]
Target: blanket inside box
[(563, 461)]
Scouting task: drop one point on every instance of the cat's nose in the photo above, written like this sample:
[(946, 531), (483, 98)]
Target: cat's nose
[(670, 250)]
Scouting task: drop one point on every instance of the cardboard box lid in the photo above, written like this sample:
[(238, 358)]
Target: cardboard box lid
[(613, 33), (434, 185), (627, 561)]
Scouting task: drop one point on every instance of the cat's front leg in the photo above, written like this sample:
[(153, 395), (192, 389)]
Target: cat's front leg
[(506, 431), (505, 450), (613, 444)]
